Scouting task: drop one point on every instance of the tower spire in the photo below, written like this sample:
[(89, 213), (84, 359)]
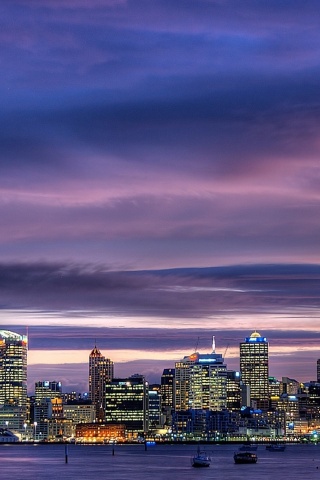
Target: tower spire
[(213, 344)]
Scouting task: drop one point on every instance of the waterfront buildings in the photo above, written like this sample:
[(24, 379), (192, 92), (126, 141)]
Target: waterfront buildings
[(155, 417), (208, 382), (47, 389), (217, 402), (182, 377), (201, 382), (233, 391), (167, 389), (100, 372), (100, 432), (168, 394), (254, 367), (127, 402), (13, 379), (79, 413)]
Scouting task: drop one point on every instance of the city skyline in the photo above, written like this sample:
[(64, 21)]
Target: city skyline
[(81, 371), (159, 181)]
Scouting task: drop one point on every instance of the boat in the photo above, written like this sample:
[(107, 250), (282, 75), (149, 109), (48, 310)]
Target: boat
[(245, 457), (248, 447), (276, 447), (201, 459)]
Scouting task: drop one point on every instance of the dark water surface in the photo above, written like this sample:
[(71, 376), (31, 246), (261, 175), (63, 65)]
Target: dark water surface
[(162, 462)]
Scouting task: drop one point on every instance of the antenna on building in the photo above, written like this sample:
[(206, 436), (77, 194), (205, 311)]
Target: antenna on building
[(225, 352), (196, 347), (213, 344)]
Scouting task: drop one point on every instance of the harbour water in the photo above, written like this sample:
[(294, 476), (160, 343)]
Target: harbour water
[(161, 462)]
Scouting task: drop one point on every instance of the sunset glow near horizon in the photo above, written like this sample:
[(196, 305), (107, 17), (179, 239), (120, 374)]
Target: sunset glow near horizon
[(159, 182)]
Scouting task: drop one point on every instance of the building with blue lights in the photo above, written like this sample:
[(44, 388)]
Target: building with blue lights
[(203, 379), (254, 367)]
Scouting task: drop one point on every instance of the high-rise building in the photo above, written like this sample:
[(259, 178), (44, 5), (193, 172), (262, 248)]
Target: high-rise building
[(254, 367), (154, 409), (233, 391), (182, 378), (168, 389), (100, 372), (208, 382), (289, 386), (201, 382), (47, 389), (318, 370), (127, 402), (13, 378)]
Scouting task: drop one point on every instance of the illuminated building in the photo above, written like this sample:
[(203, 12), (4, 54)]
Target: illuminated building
[(201, 382), (168, 395), (289, 386), (100, 372), (47, 389), (79, 413), (233, 391), (182, 377), (318, 370), (127, 402), (168, 389), (154, 409), (100, 432), (208, 382), (42, 414), (13, 378), (254, 367), (47, 406)]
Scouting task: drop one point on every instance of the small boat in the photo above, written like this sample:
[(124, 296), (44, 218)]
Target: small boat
[(248, 447), (276, 447), (201, 459), (245, 457)]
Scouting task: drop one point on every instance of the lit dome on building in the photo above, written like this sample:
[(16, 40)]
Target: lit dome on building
[(255, 334)]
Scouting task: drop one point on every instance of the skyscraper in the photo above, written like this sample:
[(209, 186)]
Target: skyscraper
[(100, 372), (168, 389), (318, 370), (208, 382), (13, 379), (127, 402), (201, 382), (182, 378), (254, 367)]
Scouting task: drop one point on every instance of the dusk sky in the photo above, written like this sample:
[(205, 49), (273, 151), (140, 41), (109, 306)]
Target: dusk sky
[(160, 182)]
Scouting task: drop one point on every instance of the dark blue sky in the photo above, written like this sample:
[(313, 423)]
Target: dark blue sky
[(139, 137)]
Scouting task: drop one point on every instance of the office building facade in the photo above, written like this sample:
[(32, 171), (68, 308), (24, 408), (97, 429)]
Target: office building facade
[(254, 367), (100, 372), (127, 402), (13, 379)]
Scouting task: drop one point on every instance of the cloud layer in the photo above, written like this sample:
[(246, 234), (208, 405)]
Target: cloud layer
[(143, 140)]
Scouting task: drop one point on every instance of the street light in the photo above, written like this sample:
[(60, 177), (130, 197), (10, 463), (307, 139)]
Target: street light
[(25, 431), (35, 430), (7, 423)]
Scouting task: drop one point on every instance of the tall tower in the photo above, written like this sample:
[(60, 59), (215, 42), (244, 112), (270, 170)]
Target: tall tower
[(100, 372), (13, 379), (254, 367), (182, 379), (168, 389), (318, 370)]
